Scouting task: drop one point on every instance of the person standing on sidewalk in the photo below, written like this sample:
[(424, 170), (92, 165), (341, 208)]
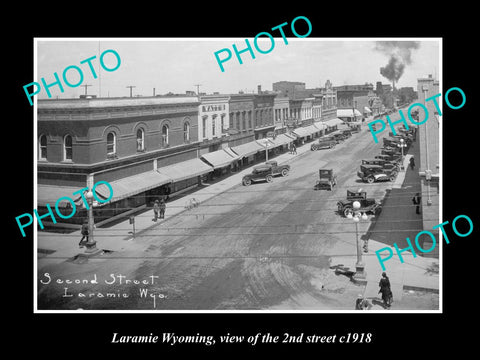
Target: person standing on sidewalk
[(417, 200), (84, 231), (294, 149), (386, 290), (162, 207), (412, 163), (156, 210)]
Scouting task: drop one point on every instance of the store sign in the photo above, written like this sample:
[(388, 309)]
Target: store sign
[(210, 108)]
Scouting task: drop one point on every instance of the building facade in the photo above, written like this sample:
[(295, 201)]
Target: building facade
[(137, 145)]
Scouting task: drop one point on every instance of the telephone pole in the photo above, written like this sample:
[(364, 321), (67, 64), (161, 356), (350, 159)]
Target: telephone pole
[(85, 86), (130, 86)]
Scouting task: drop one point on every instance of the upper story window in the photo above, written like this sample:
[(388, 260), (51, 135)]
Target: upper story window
[(42, 147), (140, 140), (186, 131), (67, 147), (213, 124), (111, 143), (165, 134), (204, 127)]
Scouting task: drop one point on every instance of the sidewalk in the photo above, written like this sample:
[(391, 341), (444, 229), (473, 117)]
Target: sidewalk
[(64, 247), (415, 273)]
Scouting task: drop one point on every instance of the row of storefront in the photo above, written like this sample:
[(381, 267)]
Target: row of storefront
[(134, 192)]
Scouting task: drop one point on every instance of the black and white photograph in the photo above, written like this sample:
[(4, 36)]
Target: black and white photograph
[(270, 174)]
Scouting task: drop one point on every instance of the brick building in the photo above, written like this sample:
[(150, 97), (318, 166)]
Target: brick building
[(143, 147)]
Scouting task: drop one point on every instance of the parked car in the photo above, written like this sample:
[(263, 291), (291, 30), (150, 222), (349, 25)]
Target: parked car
[(347, 133), (259, 173), (339, 137), (278, 169), (393, 158), (355, 128), (386, 165), (373, 173), (324, 143), (367, 205), (327, 179), (266, 172)]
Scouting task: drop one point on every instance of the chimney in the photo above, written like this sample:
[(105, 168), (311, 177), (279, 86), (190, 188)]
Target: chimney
[(259, 89)]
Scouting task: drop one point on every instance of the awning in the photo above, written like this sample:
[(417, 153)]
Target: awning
[(305, 131), (319, 125), (49, 194), (219, 158), (247, 149), (185, 170), (281, 139), (348, 113), (333, 122), (133, 185)]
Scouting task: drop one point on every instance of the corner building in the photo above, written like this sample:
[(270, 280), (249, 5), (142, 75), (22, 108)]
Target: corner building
[(143, 147)]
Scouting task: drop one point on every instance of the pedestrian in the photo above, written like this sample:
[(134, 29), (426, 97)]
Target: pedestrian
[(294, 149), (417, 200), (412, 162), (162, 206), (362, 303), (84, 231), (156, 210), (385, 289)]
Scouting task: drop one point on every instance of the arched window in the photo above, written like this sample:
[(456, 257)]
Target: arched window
[(111, 143), (165, 135), (140, 140), (67, 147), (186, 131), (42, 147)]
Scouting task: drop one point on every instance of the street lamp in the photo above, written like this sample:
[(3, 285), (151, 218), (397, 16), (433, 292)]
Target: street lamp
[(91, 243), (402, 145), (360, 273)]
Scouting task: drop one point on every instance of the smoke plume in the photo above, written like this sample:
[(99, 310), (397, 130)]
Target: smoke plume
[(400, 53)]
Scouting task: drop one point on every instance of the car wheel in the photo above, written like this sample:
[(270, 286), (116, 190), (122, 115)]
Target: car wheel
[(347, 210), (313, 148), (394, 173), (370, 179), (331, 146), (269, 178), (247, 182), (392, 178), (284, 172)]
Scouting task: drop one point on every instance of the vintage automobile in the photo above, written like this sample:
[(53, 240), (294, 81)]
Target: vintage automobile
[(347, 133), (393, 158), (265, 172), (323, 143), (283, 170), (327, 179), (339, 136), (386, 165), (355, 128), (367, 205), (373, 173), (391, 151)]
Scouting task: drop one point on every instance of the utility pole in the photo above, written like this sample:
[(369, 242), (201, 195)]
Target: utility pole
[(85, 86), (130, 86), (198, 88)]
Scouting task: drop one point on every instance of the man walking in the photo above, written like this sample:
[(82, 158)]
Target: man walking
[(162, 207), (386, 290), (84, 231), (417, 200), (156, 210), (412, 163)]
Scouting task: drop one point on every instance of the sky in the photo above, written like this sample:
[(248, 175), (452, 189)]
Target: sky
[(177, 65)]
